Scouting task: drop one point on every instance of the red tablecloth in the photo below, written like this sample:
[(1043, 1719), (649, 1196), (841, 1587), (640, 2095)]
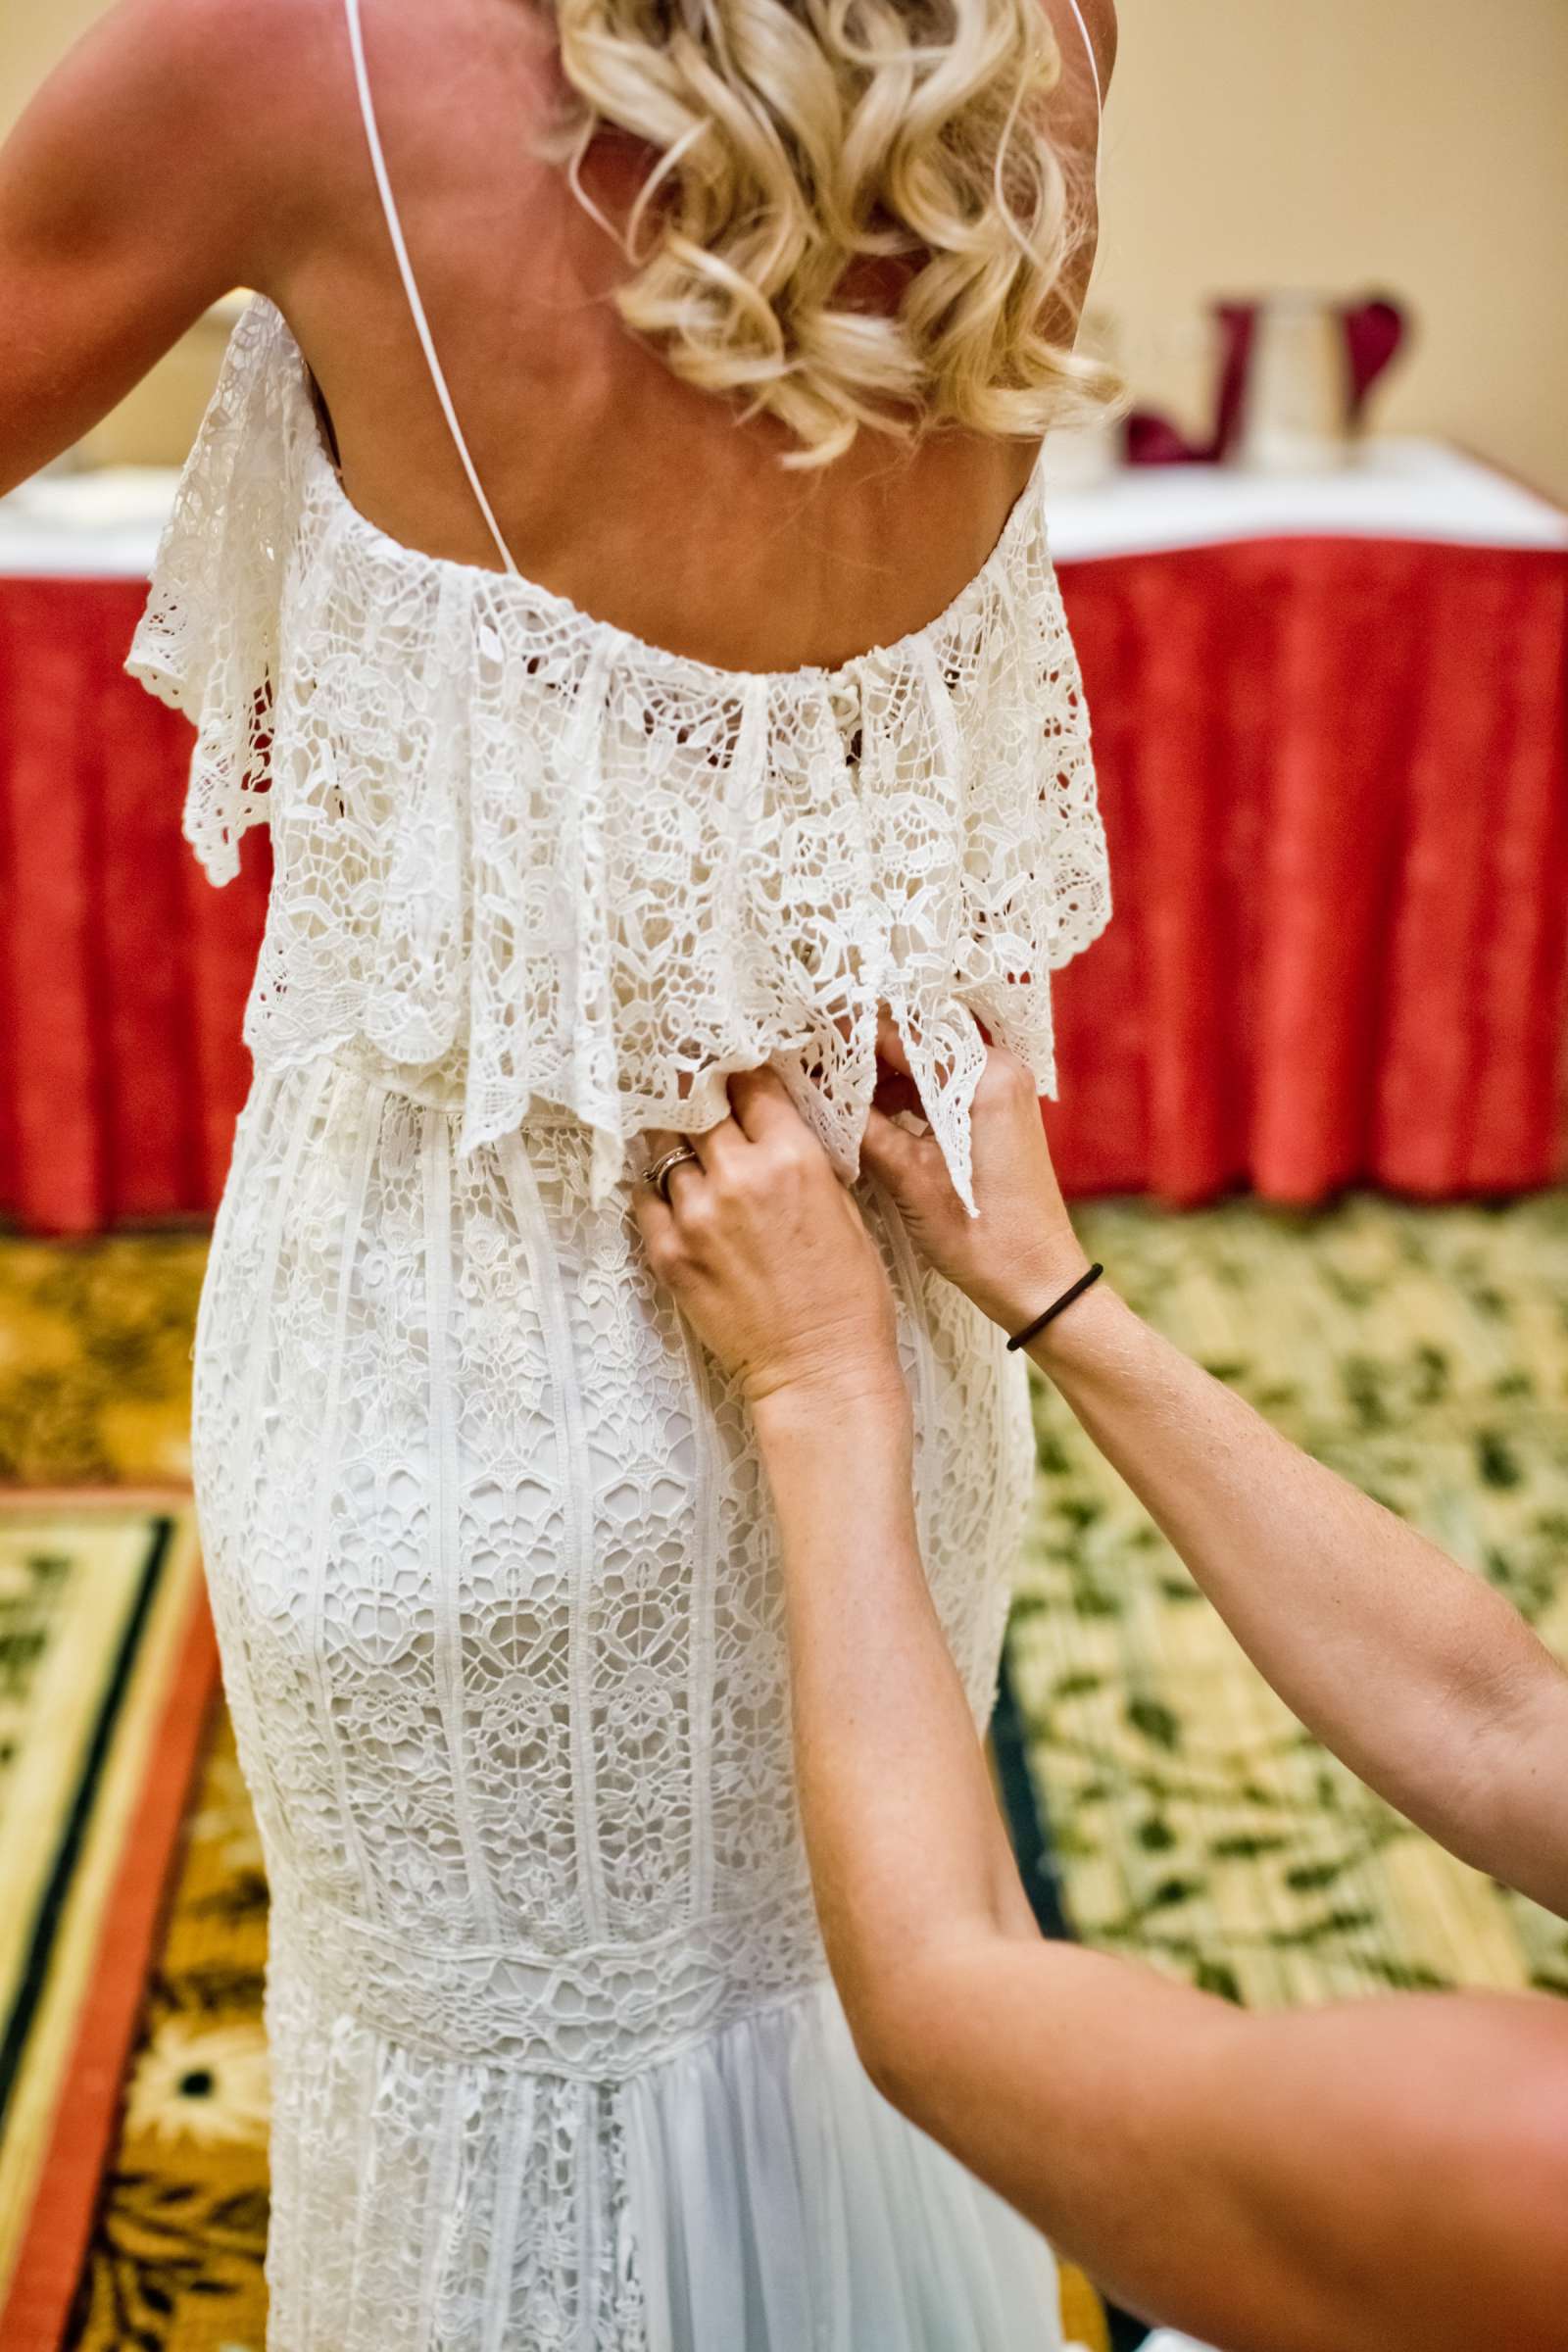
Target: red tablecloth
[(1336, 787), (1335, 783)]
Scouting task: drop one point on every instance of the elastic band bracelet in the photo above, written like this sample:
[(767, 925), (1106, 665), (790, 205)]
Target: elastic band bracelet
[(1032, 1330)]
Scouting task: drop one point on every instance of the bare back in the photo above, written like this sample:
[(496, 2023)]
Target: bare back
[(645, 502)]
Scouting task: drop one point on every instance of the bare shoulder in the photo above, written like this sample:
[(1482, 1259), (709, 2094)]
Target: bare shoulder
[(182, 114)]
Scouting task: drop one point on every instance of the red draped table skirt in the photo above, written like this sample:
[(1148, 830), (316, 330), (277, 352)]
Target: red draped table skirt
[(1334, 780)]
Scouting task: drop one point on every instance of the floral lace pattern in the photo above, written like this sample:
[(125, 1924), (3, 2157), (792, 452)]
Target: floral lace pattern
[(491, 1556), (501, 2215), (531, 860), (499, 1601)]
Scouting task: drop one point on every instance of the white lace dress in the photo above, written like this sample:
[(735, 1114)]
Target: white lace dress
[(556, 2059)]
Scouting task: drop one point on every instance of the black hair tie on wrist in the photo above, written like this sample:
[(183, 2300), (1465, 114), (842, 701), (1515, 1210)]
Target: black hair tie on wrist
[(1032, 1331)]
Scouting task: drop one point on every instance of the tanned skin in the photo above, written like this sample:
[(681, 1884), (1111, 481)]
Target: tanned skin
[(189, 146), (1376, 2176)]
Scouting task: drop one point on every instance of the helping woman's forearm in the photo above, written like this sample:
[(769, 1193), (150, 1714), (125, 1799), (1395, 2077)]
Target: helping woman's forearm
[(920, 1906), (1139, 2123), (907, 1849), (1426, 1682)]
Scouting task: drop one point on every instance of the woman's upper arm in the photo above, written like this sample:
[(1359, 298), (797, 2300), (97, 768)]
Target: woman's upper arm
[(134, 191)]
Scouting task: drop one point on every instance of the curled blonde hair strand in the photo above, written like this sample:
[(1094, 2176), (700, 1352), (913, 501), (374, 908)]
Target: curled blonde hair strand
[(797, 142)]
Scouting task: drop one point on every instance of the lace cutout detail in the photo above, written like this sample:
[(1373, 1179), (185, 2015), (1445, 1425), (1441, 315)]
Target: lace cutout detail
[(533, 861), (492, 1565), (498, 1592)]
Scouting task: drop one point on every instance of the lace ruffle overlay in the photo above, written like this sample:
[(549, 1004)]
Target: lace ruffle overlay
[(531, 860)]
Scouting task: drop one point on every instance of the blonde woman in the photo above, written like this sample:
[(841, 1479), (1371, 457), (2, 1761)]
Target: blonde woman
[(613, 565)]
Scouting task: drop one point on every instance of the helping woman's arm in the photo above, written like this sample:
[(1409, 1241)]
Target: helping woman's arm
[(914, 1876), (1415, 1671), (1376, 2176)]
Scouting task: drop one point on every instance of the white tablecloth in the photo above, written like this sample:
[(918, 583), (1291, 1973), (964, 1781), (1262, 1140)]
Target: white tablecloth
[(105, 525), (1394, 489), (102, 525)]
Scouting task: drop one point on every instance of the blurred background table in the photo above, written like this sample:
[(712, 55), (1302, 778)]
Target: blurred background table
[(1329, 714)]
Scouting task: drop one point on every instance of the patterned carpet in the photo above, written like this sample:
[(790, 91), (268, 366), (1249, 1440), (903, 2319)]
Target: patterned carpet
[(1423, 1353), (175, 2263), (95, 1386), (106, 1668), (95, 1347)]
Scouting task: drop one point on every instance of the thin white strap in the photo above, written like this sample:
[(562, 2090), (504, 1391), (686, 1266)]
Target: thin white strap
[(1100, 95), (406, 267)]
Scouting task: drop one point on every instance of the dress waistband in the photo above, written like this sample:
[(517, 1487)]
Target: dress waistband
[(602, 2013)]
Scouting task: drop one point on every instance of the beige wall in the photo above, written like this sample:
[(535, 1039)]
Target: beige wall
[(1417, 145)]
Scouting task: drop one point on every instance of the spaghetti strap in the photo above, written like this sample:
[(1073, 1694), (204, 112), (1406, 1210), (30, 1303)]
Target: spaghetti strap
[(406, 268)]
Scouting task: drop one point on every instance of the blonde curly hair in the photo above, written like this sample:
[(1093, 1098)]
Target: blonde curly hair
[(798, 145)]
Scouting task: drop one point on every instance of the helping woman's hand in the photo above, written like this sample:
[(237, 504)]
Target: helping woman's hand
[(1020, 1251), (770, 1258)]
